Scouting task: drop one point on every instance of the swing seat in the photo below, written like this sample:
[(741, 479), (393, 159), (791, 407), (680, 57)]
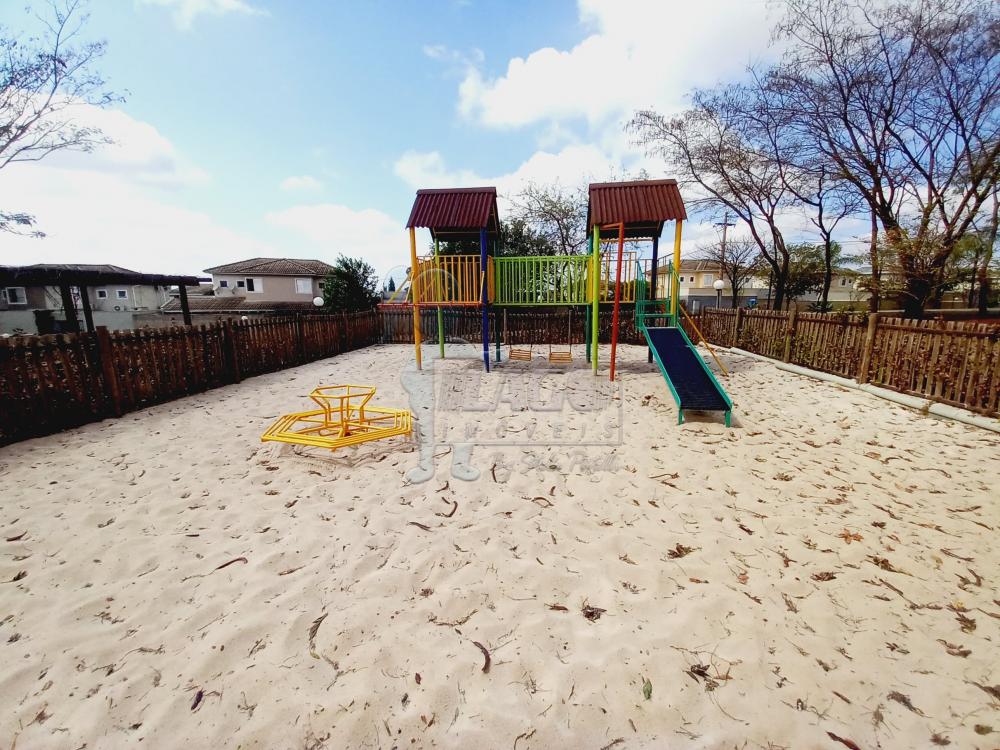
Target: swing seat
[(520, 355), (561, 357)]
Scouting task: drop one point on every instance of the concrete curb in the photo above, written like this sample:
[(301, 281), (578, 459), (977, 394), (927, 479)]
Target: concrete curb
[(922, 405)]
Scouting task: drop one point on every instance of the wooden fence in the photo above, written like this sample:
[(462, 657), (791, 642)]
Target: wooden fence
[(954, 362), (520, 327), (49, 383)]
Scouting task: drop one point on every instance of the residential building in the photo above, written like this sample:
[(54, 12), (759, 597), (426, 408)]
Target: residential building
[(697, 286), (698, 277), (256, 287), (270, 279)]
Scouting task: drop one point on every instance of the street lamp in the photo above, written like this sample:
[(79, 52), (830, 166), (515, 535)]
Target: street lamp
[(719, 285), (318, 301)]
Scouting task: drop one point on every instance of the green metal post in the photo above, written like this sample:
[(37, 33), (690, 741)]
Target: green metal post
[(437, 274), (595, 266)]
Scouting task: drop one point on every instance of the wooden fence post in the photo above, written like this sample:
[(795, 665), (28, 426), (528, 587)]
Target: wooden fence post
[(229, 346), (300, 338), (869, 347), (793, 322), (737, 328), (112, 392)]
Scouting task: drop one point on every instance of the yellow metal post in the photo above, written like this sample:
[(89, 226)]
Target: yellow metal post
[(595, 265), (414, 286), (675, 284), (438, 275)]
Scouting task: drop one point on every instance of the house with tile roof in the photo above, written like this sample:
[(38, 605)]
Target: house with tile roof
[(270, 280)]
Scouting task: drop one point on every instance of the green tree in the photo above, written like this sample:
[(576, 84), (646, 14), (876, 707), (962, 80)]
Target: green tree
[(392, 285), (351, 286), (806, 270), (521, 239), (554, 213), (45, 81)]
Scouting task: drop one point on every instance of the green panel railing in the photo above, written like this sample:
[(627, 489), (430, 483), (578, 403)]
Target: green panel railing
[(542, 280), (655, 311)]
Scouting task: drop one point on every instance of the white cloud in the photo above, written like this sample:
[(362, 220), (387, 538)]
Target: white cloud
[(121, 205), (574, 164), (138, 152), (334, 229), (90, 216), (117, 204), (427, 170), (444, 53), (301, 182), (186, 11), (642, 53)]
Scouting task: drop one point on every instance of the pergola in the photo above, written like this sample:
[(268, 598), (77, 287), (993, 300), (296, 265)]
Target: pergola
[(68, 275)]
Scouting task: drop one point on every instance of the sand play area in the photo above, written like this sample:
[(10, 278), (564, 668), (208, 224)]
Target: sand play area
[(825, 574)]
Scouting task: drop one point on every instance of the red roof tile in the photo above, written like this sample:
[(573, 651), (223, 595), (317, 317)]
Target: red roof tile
[(456, 213), (274, 267), (643, 205)]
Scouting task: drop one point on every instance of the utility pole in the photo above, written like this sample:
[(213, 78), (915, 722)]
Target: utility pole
[(725, 224)]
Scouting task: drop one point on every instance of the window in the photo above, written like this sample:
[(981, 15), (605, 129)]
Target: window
[(102, 294), (15, 295), (121, 293), (241, 284), (303, 286), (692, 279), (250, 285), (707, 279), (321, 285), (224, 283), (843, 282)]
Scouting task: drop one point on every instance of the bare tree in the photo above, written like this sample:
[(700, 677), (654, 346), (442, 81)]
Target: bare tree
[(43, 82), (874, 260), (740, 261), (819, 191), (902, 99), (988, 233), (557, 214), (717, 150)]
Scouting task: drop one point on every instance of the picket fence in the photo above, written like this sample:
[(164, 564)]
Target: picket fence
[(51, 383)]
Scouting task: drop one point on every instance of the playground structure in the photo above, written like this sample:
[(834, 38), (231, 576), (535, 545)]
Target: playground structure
[(454, 215), (344, 418), (617, 213)]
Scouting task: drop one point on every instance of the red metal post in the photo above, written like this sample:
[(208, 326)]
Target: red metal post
[(618, 296)]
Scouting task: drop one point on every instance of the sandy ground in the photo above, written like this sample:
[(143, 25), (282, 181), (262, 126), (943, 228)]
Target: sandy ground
[(823, 575)]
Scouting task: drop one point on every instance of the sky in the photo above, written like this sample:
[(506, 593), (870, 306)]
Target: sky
[(302, 129)]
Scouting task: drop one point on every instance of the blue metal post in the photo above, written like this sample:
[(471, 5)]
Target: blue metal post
[(652, 294), (485, 298)]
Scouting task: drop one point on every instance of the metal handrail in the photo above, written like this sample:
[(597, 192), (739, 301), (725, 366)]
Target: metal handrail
[(704, 341)]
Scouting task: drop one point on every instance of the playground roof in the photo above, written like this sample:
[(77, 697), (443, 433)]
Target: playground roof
[(643, 205), (456, 213)]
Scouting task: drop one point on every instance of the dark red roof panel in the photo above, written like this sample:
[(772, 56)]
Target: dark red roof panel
[(274, 267), (456, 211), (644, 204)]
